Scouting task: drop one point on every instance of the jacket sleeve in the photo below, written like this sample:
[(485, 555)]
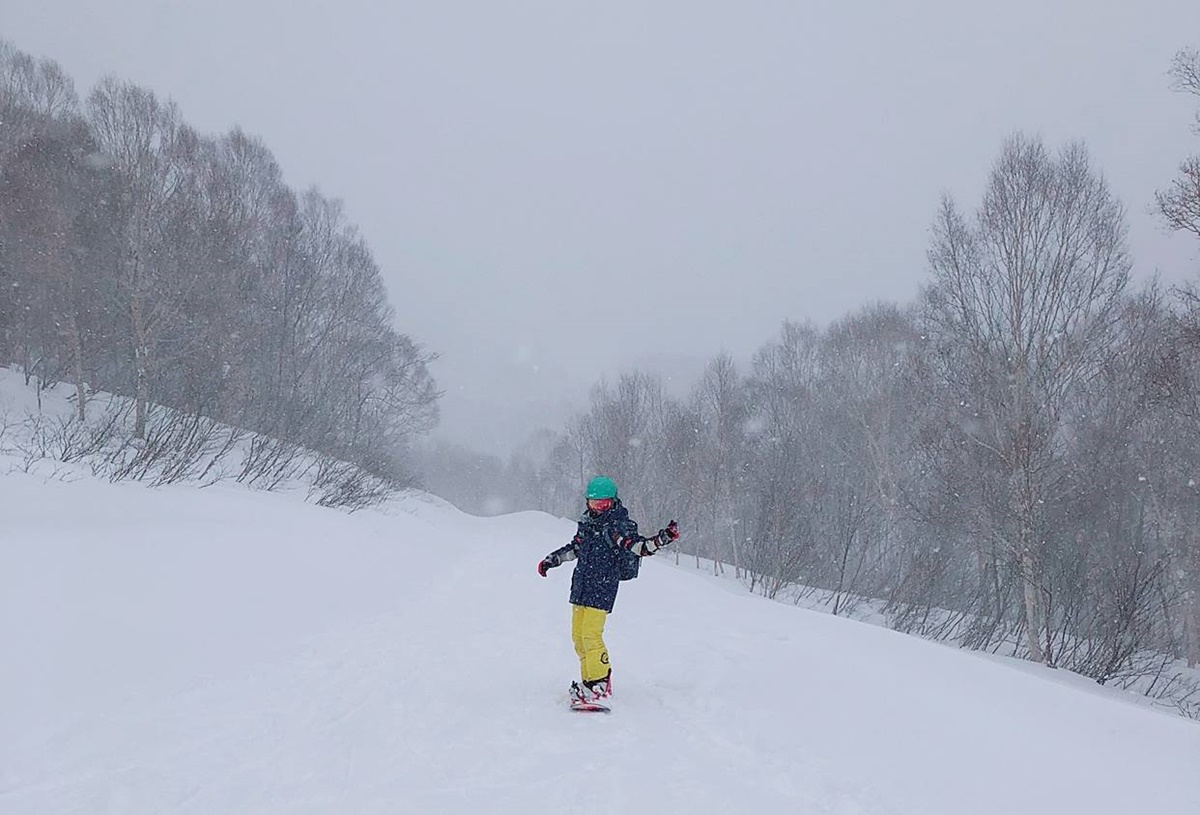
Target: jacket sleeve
[(625, 536), (564, 553)]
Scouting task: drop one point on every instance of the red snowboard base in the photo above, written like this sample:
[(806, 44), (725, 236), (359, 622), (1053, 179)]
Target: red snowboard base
[(589, 707)]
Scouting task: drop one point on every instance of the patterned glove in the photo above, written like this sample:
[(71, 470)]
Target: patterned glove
[(668, 534), (547, 563)]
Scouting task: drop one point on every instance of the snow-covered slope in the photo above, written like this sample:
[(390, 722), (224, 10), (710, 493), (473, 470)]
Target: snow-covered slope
[(217, 650)]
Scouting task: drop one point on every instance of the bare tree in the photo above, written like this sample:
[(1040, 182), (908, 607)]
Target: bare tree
[(784, 471), (722, 412), (32, 91), (1178, 369), (869, 408), (45, 206), (1024, 298), (1173, 381), (141, 137), (623, 432), (1180, 203)]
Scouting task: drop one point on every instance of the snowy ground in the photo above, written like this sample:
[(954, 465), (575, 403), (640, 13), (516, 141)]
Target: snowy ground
[(217, 650), (1174, 689)]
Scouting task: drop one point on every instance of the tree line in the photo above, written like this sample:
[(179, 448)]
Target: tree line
[(141, 258), (1008, 462)]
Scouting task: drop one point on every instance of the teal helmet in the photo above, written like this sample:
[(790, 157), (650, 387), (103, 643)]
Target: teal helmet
[(601, 487)]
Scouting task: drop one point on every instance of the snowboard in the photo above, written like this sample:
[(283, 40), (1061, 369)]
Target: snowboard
[(589, 707)]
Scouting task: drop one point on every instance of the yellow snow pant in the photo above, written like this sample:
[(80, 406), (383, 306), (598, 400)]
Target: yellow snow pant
[(587, 630)]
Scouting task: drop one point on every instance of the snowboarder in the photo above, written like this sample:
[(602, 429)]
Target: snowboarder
[(606, 538)]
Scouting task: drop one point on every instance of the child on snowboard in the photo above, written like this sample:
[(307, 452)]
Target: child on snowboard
[(605, 534)]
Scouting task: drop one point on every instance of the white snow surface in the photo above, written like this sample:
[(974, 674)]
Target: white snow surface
[(220, 650)]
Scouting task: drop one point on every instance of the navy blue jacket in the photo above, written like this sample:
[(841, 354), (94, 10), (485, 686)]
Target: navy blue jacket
[(597, 547)]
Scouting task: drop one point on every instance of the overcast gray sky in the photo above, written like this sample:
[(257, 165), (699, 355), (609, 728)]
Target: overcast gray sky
[(556, 190)]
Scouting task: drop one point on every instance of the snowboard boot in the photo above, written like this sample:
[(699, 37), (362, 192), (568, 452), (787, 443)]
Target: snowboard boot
[(599, 689), (585, 698), (579, 695)]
